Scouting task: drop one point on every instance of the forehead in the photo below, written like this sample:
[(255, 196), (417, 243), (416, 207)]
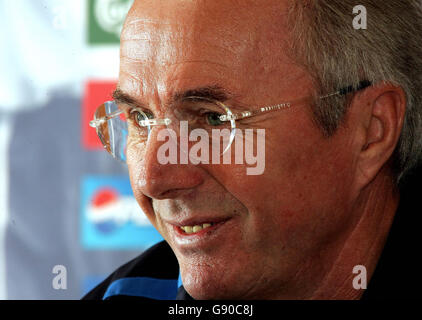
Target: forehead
[(202, 15), (167, 39), (226, 23)]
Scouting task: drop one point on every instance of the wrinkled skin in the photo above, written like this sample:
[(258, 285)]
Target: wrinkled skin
[(288, 230)]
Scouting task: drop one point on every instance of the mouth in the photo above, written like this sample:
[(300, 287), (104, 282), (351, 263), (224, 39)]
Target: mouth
[(198, 229)]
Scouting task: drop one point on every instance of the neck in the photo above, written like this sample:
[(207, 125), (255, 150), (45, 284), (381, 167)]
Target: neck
[(374, 211)]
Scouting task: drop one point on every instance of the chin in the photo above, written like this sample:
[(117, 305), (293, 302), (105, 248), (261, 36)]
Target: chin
[(211, 285), (207, 292)]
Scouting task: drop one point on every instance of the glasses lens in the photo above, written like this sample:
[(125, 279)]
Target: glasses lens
[(194, 130), (112, 129), (201, 135)]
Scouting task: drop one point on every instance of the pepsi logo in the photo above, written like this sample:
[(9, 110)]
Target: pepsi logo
[(108, 210)]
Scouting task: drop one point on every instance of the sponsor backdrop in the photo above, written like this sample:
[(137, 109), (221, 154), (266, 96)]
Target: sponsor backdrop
[(64, 200)]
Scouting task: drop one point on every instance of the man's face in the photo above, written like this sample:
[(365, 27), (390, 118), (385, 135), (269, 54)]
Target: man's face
[(272, 233)]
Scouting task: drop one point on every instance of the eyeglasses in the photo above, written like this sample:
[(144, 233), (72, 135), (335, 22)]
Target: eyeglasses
[(119, 126)]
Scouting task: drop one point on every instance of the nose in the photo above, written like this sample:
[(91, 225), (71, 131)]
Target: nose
[(162, 181)]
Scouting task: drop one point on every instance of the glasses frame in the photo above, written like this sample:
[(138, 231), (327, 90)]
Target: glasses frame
[(228, 117), (95, 123)]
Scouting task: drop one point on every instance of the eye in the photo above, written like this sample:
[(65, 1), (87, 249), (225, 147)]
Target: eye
[(140, 115), (201, 111), (213, 118)]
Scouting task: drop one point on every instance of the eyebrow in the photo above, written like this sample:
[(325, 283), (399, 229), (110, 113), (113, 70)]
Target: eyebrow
[(123, 98), (208, 92)]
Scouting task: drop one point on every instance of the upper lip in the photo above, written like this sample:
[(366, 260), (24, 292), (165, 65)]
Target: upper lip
[(197, 221)]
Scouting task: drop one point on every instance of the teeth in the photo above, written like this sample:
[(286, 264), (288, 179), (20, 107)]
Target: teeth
[(195, 229)]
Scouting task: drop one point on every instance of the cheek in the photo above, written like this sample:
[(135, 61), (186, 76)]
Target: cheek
[(303, 196), (136, 166), (316, 197), (137, 175)]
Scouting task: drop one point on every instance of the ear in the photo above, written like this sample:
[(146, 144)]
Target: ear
[(381, 126)]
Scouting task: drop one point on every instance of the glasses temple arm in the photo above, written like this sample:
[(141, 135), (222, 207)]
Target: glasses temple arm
[(343, 91), (97, 122), (246, 114)]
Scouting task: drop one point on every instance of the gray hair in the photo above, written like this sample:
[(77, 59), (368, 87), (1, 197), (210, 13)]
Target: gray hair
[(337, 55)]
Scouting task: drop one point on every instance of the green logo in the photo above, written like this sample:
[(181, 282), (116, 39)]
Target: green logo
[(105, 20)]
